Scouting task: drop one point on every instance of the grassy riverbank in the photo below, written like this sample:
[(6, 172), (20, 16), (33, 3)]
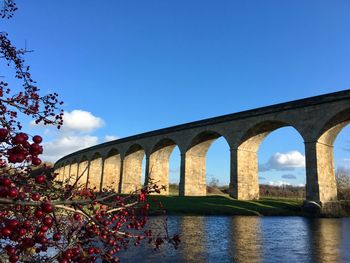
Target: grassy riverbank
[(224, 205)]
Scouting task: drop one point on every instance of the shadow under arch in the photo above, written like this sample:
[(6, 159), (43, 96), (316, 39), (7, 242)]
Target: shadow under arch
[(193, 164), (132, 169), (244, 183), (158, 170), (95, 171), (111, 170)]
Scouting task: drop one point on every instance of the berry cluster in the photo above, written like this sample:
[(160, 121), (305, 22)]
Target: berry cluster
[(43, 219), (82, 228), (18, 149)]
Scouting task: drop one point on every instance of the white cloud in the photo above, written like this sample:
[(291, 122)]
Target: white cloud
[(284, 161), (75, 134), (81, 121), (76, 121), (64, 145), (109, 138)]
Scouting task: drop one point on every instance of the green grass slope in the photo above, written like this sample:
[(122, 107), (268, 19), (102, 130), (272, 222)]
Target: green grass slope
[(225, 205)]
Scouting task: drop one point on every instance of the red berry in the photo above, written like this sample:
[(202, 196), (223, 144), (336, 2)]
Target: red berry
[(36, 161), (12, 223), (19, 138), (3, 134), (77, 217), (42, 240), (6, 182), (13, 258), (56, 236), (22, 231), (6, 232), (47, 207), (40, 179), (34, 148), (47, 221), (40, 234), (36, 196), (13, 192), (12, 158), (37, 139), (27, 224), (38, 213), (44, 228), (10, 250), (20, 157)]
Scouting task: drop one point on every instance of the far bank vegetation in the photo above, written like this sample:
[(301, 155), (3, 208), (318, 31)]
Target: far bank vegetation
[(284, 191)]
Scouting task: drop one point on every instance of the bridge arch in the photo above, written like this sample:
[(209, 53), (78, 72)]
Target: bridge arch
[(244, 181), (252, 137), (193, 163), (158, 167), (132, 169), (111, 172)]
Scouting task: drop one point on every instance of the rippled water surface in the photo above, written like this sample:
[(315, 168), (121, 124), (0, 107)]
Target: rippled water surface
[(251, 239)]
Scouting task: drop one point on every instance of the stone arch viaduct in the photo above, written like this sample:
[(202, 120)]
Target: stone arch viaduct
[(118, 163)]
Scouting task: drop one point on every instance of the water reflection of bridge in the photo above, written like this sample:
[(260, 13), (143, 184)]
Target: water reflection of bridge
[(242, 239), (261, 239)]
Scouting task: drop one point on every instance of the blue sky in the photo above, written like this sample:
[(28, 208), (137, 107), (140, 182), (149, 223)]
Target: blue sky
[(139, 65)]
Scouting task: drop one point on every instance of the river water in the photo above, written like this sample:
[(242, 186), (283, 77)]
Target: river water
[(250, 239)]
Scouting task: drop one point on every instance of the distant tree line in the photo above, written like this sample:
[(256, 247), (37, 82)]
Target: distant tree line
[(288, 191), (342, 176)]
